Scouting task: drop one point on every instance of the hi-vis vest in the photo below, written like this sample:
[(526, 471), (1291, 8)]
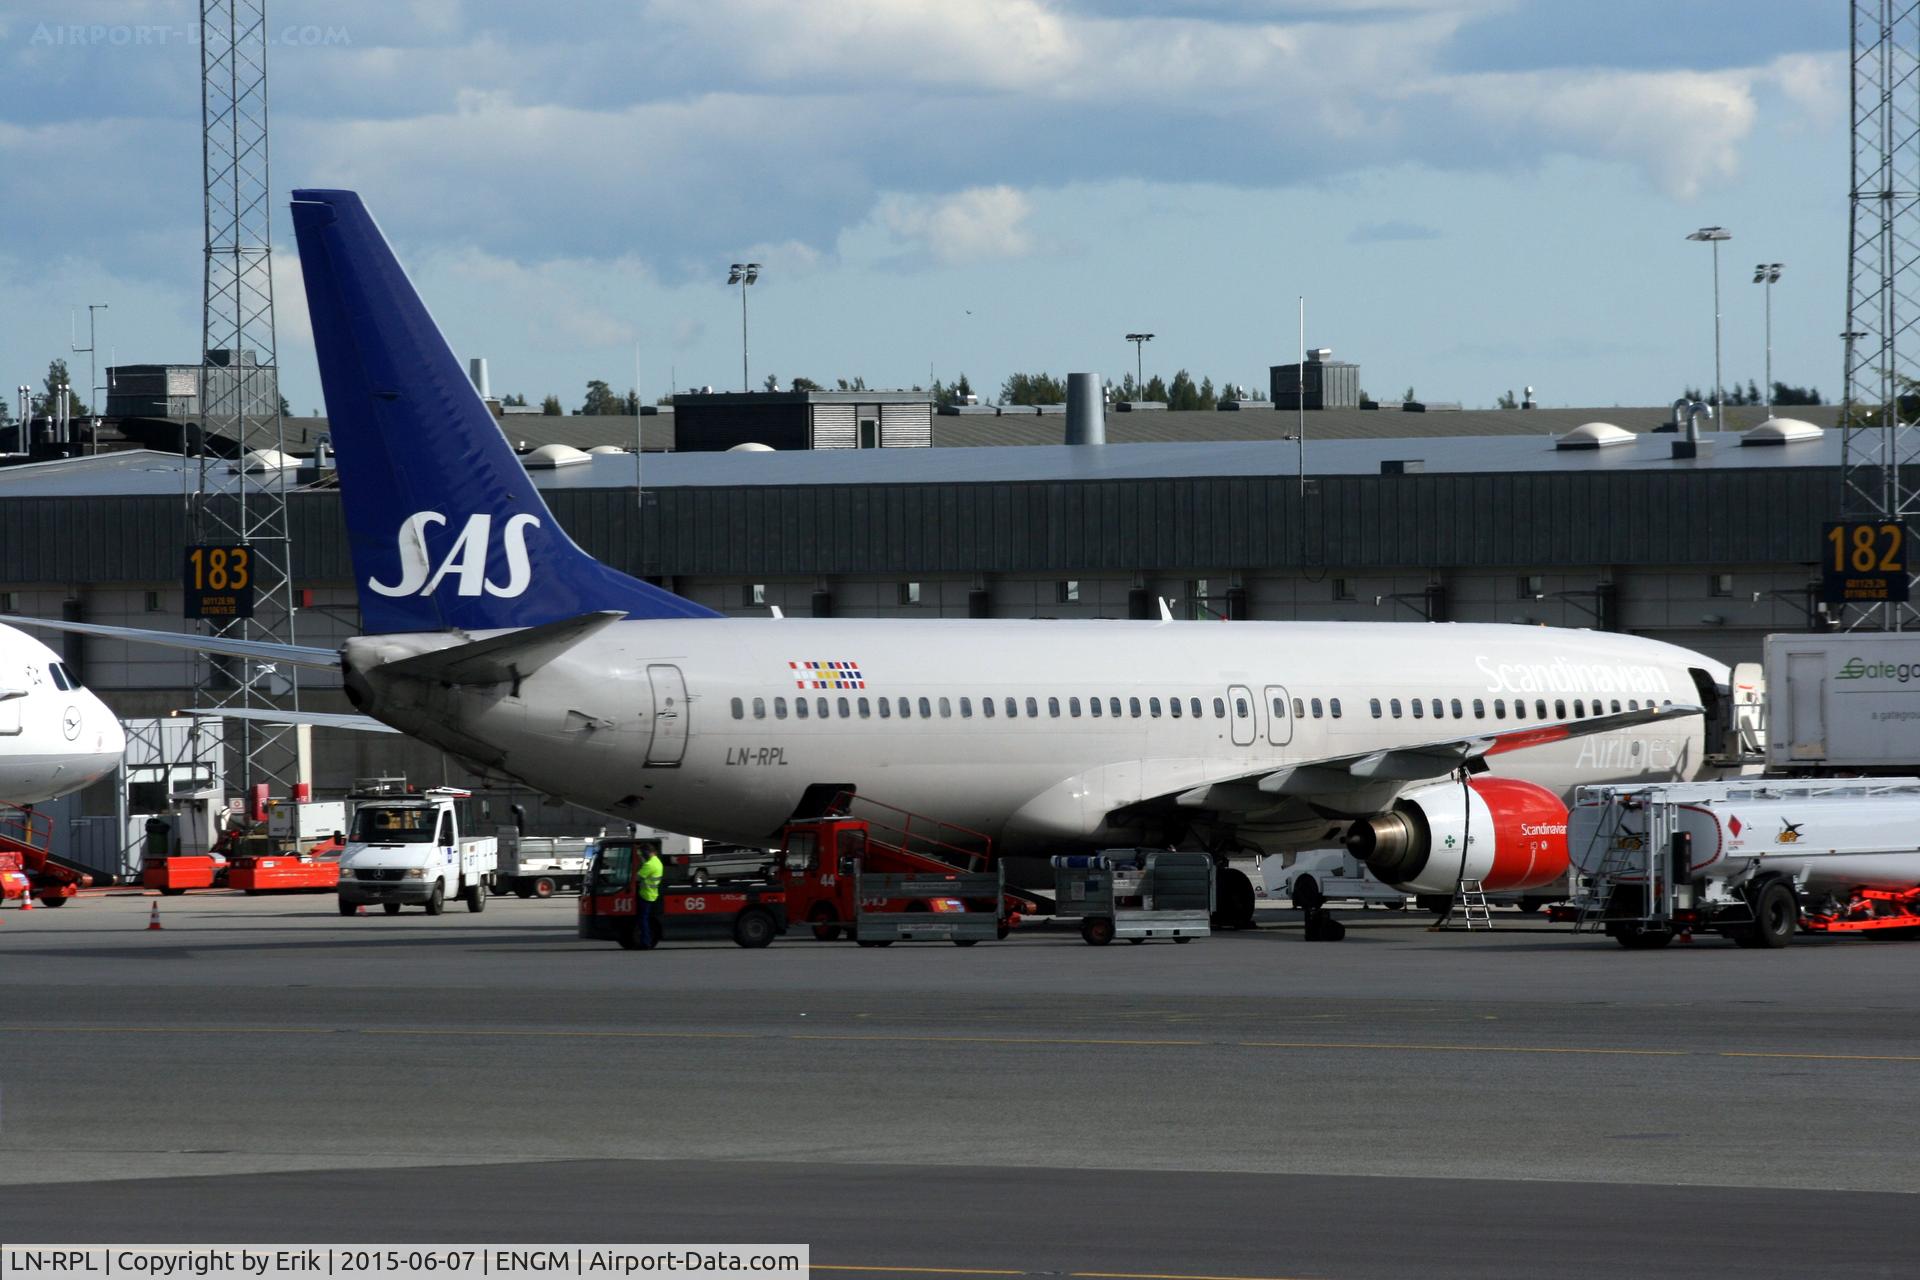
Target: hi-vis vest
[(651, 869)]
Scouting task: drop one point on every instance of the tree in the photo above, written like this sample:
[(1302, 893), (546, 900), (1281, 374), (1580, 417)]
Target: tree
[(770, 383), (1156, 390), (601, 399), (858, 384), (956, 394), (806, 384), (630, 404), (517, 400), (57, 378), (1753, 393), (1409, 397), (551, 407), (1506, 401), (286, 410), (1032, 388), (1785, 394)]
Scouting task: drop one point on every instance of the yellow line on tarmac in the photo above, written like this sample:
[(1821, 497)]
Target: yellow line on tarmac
[(1468, 1048), (1824, 1057)]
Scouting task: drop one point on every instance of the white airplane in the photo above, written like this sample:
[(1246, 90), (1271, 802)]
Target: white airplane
[(55, 735), (1436, 751)]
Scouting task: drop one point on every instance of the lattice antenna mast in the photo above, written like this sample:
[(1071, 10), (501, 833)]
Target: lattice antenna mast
[(240, 392), (1880, 458)]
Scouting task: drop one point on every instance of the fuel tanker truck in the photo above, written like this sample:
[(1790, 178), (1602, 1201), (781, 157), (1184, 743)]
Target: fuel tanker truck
[(1753, 861)]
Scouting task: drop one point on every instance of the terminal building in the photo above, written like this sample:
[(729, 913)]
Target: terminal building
[(1577, 518)]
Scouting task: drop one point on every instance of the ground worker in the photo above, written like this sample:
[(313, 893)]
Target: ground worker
[(651, 872)]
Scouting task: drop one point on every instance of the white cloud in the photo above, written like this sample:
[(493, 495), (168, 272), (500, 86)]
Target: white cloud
[(979, 224)]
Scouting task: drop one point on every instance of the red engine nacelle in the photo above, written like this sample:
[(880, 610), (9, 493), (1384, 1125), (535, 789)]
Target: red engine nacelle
[(1509, 835)]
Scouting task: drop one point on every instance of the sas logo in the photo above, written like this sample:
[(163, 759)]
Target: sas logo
[(1789, 833), (465, 563), (827, 675)]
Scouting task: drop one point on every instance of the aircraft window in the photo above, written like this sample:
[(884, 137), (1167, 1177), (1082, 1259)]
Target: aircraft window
[(800, 708), (1053, 707), (1439, 711), (1539, 708), (866, 709), (1316, 708), (886, 708), (1219, 708), (906, 708), (846, 710), (1013, 707), (1419, 708), (1033, 706), (1559, 709), (1153, 707), (759, 708), (1299, 709), (1194, 703), (1240, 707), (986, 707), (926, 709), (1133, 705), (821, 706), (1373, 704), (1479, 709), (779, 708), (946, 708), (1113, 708), (1579, 708), (1458, 714), (1333, 707), (1093, 707), (63, 678), (1499, 708), (1633, 704), (1279, 707), (1616, 706), (966, 708), (739, 709), (1173, 707), (1073, 707), (1395, 704)]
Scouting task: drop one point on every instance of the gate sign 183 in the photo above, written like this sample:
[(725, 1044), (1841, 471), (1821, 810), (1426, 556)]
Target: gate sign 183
[(1864, 562), (219, 583)]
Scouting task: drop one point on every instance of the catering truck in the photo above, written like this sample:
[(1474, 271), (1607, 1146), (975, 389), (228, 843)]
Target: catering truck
[(1754, 860), (412, 850), (1844, 702)]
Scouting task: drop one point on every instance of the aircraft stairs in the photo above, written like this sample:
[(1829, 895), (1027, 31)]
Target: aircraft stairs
[(1469, 906)]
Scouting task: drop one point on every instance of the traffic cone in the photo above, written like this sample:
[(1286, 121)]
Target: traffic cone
[(360, 910), (26, 902), (153, 919)]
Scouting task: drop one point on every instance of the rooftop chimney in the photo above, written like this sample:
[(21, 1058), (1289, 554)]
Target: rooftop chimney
[(1086, 410), (477, 370)]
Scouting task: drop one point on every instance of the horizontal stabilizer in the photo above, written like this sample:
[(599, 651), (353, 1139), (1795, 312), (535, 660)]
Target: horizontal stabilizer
[(267, 715), (502, 658), (298, 655)]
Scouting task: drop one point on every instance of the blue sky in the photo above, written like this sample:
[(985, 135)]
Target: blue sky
[(1473, 195)]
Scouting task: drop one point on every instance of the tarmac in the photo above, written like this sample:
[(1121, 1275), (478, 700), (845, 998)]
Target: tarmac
[(1403, 1103)]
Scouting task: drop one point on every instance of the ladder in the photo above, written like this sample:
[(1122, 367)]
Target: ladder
[(1629, 857), (1469, 902)]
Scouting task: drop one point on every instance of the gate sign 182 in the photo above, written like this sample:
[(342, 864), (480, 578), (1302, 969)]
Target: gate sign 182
[(219, 583), (1864, 562)]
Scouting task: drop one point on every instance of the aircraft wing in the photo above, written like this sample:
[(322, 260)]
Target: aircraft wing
[(268, 715), (1332, 776), (298, 655)]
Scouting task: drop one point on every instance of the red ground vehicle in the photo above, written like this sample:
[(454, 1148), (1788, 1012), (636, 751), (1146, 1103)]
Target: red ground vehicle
[(818, 857), (751, 912), (27, 862)]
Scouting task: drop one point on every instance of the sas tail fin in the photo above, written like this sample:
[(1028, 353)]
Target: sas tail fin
[(447, 530)]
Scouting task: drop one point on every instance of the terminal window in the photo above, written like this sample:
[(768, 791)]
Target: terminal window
[(1067, 592), (909, 593), (1530, 585), (1720, 584)]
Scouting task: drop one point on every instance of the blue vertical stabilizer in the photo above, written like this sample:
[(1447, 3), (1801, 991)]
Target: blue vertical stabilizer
[(447, 530)]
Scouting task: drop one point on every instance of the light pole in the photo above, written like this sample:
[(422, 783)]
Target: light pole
[(1768, 273), (1713, 236), (1139, 341), (743, 274)]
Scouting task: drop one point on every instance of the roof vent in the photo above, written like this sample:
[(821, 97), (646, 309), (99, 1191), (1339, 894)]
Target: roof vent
[(1594, 435), (1781, 431), (606, 448), (257, 461), (549, 456), (751, 446)]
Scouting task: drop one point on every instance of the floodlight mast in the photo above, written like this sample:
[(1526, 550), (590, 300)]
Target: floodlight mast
[(743, 274)]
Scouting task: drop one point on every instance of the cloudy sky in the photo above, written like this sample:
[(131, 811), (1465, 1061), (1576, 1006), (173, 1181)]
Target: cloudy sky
[(1472, 195)]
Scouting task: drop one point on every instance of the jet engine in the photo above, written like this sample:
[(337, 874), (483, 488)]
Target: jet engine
[(1508, 834)]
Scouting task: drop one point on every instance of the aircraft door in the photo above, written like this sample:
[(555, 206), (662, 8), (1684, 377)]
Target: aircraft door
[(1242, 715), (669, 742), (10, 713), (1279, 718)]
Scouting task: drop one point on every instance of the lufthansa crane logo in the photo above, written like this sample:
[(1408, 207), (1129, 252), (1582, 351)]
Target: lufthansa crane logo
[(70, 723), (465, 562)]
